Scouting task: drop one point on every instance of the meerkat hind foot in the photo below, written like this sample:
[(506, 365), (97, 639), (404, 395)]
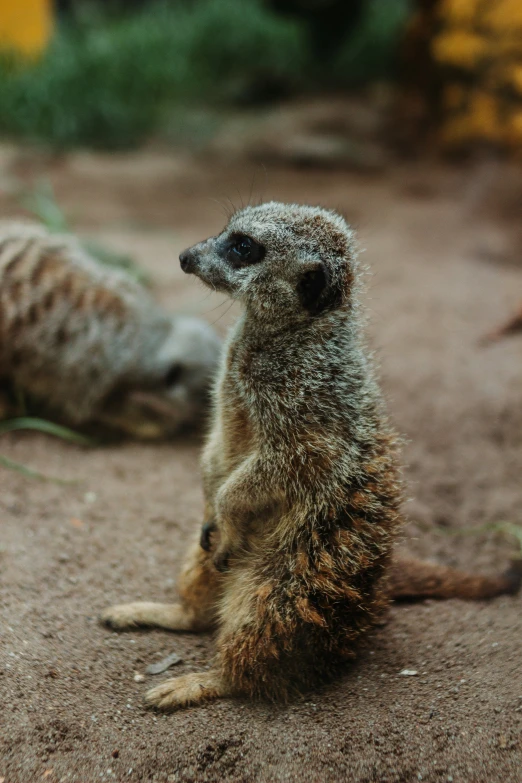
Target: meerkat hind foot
[(186, 691), (173, 617)]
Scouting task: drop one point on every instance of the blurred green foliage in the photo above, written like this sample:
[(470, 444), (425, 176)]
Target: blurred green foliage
[(370, 53), (111, 80)]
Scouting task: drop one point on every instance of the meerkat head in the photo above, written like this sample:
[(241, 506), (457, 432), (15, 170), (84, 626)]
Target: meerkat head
[(279, 260), (171, 390), (185, 364)]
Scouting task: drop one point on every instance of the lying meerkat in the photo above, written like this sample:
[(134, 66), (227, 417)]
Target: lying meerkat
[(89, 345), (510, 327), (300, 473)]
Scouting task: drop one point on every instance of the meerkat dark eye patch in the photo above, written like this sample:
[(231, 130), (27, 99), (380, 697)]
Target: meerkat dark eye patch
[(173, 375), (317, 292), (243, 250)]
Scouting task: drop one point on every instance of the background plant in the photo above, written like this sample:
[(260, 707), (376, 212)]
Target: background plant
[(111, 79)]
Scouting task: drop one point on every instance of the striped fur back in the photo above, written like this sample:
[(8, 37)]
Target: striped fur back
[(62, 315)]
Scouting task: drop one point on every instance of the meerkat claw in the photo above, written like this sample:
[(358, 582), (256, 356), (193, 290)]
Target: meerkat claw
[(206, 531)]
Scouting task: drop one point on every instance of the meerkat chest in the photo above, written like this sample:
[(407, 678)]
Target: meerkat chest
[(235, 412)]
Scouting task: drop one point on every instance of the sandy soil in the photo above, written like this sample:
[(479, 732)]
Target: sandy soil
[(71, 709)]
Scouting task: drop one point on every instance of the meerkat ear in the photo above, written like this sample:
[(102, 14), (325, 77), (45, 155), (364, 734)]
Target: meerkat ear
[(317, 290)]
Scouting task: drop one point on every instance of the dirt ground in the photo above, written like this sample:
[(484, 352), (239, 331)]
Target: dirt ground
[(70, 707)]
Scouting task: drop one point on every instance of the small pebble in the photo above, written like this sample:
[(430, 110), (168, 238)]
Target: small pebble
[(408, 672), (139, 677)]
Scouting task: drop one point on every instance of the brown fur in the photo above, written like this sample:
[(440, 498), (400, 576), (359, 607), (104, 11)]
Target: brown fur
[(413, 579), (300, 473)]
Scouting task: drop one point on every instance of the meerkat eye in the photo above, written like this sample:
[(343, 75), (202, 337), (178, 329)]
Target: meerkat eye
[(173, 375), (244, 250)]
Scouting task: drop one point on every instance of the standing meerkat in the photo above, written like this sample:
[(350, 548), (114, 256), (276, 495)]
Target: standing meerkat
[(300, 473), (89, 345)]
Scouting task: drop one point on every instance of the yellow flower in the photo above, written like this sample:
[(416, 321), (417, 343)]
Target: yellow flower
[(503, 16), (479, 123), (25, 25), (459, 48), (458, 11), (516, 78)]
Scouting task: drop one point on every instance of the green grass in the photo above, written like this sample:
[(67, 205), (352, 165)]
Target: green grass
[(112, 81), (108, 82), (42, 203), (49, 428), (371, 52), (18, 467), (511, 530)]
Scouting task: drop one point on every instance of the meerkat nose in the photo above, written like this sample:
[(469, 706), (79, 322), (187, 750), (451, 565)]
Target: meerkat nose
[(186, 259)]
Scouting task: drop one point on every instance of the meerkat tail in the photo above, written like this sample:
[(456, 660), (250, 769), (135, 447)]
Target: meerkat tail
[(410, 579)]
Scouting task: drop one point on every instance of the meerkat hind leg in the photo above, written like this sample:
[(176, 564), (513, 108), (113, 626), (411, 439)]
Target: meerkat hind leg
[(173, 617), (187, 690), (199, 588)]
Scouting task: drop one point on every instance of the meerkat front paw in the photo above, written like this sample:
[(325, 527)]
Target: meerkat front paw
[(186, 690)]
